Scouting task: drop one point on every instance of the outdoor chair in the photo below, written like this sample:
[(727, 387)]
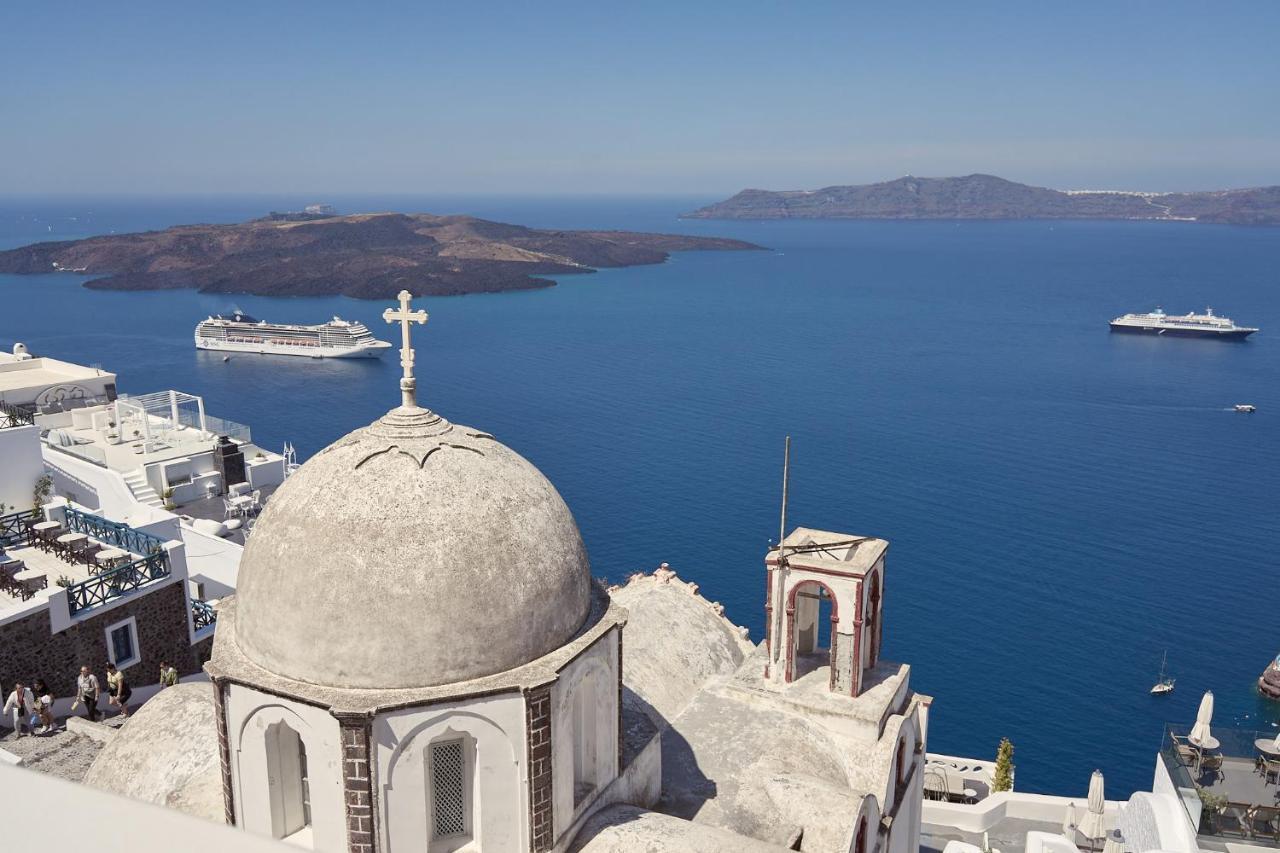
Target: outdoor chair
[(256, 506), (1270, 770), (228, 509), (1211, 765), (1233, 819), (1186, 752), (1265, 822)]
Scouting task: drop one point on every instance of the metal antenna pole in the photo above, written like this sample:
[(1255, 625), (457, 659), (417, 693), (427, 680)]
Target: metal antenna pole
[(786, 477)]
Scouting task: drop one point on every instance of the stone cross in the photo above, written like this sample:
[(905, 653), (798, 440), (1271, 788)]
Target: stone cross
[(404, 317)]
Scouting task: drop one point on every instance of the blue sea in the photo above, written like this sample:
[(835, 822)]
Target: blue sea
[(1063, 504)]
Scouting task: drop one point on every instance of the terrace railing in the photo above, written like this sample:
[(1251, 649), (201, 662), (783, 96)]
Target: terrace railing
[(114, 533), (1223, 792), (116, 582), (13, 527), (15, 416), (203, 614)]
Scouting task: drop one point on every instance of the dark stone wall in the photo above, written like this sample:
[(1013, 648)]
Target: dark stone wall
[(357, 784), (538, 728), (28, 650)]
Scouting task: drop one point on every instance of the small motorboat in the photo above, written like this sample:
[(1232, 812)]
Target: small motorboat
[(1165, 684), (1245, 407)]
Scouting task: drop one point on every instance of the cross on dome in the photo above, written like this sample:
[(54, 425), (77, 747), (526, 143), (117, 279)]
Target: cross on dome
[(404, 317)]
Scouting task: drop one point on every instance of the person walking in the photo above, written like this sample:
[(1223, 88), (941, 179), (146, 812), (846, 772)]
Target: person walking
[(44, 706), (168, 675), (87, 692), (21, 703), (118, 690)]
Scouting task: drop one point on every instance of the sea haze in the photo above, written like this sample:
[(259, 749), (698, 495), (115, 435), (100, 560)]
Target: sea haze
[(1063, 504)]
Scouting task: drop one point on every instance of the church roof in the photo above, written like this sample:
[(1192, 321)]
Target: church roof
[(410, 553)]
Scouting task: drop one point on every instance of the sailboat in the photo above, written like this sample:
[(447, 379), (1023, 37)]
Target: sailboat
[(1165, 684)]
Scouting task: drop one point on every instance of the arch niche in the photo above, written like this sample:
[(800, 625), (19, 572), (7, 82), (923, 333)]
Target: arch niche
[(805, 653)]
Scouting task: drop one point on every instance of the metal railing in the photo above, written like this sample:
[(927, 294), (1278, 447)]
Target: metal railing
[(114, 533), (202, 613), (13, 527), (116, 582), (15, 416)]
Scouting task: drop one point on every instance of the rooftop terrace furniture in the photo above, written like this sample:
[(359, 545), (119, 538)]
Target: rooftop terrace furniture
[(1186, 752), (1232, 819), (1211, 765), (1265, 823), (1270, 770)]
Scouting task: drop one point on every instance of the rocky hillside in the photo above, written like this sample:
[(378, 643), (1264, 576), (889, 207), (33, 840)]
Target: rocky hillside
[(989, 197), (366, 256)]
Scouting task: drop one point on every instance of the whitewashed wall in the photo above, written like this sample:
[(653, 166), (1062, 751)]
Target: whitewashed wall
[(499, 790)]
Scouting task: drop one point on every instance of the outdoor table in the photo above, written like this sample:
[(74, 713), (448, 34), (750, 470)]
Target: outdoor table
[(1267, 746), (46, 526), (241, 502), (31, 579), (1210, 742), (74, 541), (109, 558)]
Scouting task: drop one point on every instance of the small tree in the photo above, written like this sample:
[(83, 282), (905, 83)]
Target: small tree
[(1004, 766)]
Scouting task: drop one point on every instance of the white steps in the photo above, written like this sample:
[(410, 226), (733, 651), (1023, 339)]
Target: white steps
[(136, 480)]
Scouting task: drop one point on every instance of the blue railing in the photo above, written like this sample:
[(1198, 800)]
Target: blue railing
[(203, 614), (114, 533), (116, 582), (13, 527)]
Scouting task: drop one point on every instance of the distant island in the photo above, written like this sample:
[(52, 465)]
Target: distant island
[(367, 256), (989, 197)]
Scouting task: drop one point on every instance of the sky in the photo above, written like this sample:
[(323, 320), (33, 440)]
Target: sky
[(569, 98)]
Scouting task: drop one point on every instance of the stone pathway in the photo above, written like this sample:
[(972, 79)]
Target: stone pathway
[(60, 753)]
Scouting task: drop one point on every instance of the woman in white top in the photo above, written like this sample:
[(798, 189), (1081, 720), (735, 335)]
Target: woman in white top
[(21, 703)]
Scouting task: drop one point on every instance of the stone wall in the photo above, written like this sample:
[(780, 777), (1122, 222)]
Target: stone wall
[(32, 651), (538, 728)]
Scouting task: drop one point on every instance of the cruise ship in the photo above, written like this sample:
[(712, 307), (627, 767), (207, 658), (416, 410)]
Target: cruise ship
[(1206, 325), (238, 332)]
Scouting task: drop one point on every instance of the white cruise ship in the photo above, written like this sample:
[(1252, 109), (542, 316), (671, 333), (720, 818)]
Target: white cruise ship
[(1206, 325), (238, 332)]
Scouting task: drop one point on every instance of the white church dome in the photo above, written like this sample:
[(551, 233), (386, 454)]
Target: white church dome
[(410, 553)]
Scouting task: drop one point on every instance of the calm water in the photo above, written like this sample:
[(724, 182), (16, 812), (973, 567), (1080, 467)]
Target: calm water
[(1063, 504)]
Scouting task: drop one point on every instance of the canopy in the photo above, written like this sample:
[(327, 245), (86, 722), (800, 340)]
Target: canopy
[(1091, 824), (1200, 733)]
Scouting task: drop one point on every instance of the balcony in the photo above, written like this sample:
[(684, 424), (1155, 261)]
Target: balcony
[(1226, 791)]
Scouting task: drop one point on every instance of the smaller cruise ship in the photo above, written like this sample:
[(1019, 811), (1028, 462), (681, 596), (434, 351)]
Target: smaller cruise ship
[(1206, 325), (238, 332)]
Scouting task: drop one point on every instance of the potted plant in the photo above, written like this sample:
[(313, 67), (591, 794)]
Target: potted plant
[(167, 494), (1210, 805)]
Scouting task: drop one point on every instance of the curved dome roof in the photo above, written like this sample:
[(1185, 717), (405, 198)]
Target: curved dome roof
[(410, 553)]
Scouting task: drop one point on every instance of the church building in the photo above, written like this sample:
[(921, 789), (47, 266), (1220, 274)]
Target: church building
[(418, 659)]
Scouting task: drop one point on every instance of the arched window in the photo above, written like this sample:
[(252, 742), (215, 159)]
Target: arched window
[(584, 738), (902, 761), (450, 763), (287, 781), (860, 841)]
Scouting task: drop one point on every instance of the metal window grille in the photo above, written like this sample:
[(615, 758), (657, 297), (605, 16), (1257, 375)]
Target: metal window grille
[(448, 777)]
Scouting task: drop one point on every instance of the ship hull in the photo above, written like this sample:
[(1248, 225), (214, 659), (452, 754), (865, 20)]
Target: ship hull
[(1226, 334), (283, 349)]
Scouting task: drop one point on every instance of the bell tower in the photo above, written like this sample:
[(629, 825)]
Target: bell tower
[(823, 608)]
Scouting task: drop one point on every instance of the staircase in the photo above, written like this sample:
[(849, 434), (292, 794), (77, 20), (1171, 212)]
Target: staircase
[(136, 480)]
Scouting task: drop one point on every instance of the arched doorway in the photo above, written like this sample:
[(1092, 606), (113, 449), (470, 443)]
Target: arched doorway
[(812, 613), (875, 625)]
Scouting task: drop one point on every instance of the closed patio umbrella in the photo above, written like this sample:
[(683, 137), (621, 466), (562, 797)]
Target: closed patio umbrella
[(1069, 823), (1091, 824), (1200, 733)]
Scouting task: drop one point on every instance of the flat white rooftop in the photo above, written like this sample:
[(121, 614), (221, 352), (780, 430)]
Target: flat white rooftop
[(34, 374)]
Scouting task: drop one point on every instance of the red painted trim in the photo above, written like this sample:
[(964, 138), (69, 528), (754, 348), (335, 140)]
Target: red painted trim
[(768, 615), (877, 616), (791, 624), (855, 680)]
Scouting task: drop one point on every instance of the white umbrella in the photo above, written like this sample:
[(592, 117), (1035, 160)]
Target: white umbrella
[(1091, 824), (1200, 731), (1069, 823)]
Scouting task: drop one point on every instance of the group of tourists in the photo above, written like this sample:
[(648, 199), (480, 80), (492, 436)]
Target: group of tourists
[(30, 706)]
